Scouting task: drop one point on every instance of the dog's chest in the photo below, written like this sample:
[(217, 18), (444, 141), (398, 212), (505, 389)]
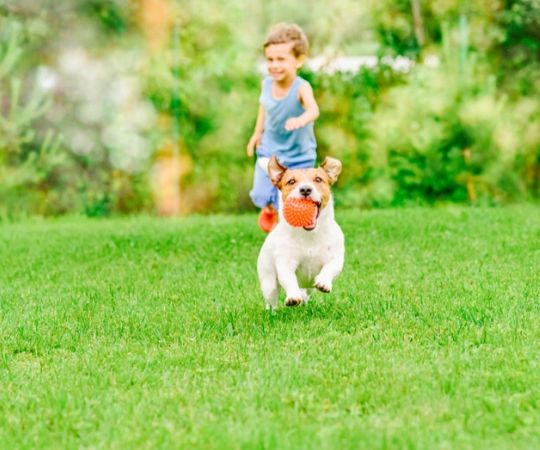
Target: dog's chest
[(310, 261)]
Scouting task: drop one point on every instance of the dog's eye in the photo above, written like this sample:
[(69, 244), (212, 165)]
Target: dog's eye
[(318, 180), (291, 181)]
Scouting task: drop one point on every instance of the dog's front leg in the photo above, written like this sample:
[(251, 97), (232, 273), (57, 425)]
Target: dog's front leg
[(287, 278), (323, 281)]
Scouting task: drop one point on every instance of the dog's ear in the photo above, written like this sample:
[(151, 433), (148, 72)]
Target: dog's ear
[(275, 170), (332, 167)]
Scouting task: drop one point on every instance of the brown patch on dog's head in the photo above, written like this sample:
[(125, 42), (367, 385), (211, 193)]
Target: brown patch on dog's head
[(291, 181)]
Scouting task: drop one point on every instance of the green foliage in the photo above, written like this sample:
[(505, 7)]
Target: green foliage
[(108, 13), (151, 333), (347, 103), (39, 172), (29, 159), (454, 136), (402, 137), (461, 125), (395, 28), (518, 49)]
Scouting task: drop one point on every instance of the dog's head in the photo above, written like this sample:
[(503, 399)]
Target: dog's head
[(313, 184)]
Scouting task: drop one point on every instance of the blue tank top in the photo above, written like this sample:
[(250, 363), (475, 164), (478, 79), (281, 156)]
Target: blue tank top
[(291, 147)]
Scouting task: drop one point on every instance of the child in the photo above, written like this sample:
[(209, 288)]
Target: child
[(287, 111)]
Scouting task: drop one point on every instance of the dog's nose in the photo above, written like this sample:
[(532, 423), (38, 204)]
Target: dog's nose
[(306, 190)]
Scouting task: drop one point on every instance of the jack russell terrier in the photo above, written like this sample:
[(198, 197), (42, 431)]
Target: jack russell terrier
[(302, 259)]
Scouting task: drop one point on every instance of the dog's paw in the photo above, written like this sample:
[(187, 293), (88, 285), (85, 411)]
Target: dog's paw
[(323, 285), (293, 301)]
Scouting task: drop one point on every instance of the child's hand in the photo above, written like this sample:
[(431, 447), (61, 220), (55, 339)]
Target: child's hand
[(294, 123), (254, 141)]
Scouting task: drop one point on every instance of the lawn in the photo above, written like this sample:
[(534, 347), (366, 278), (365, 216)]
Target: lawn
[(152, 333)]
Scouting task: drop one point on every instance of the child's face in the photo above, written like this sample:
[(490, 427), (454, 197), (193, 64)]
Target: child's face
[(281, 62)]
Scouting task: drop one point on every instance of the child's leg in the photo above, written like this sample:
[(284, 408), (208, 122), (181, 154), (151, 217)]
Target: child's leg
[(262, 162), (263, 193)]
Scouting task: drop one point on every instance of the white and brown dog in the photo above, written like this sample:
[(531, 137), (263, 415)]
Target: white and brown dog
[(298, 259)]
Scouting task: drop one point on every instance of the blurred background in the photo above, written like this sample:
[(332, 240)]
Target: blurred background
[(125, 106)]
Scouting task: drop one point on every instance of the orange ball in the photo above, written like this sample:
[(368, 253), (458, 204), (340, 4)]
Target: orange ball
[(300, 212)]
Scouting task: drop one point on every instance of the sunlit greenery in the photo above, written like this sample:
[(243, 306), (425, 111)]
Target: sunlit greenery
[(95, 95)]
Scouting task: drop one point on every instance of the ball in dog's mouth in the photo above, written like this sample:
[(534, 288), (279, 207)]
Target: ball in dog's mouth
[(301, 213)]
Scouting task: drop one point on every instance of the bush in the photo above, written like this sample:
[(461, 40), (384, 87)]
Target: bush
[(462, 125)]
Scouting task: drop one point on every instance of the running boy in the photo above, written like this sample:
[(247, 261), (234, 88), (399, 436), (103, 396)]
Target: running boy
[(287, 111)]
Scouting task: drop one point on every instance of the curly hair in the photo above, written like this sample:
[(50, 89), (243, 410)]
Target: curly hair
[(283, 33)]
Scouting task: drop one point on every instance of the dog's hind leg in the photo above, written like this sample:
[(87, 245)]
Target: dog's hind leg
[(268, 280), (270, 291)]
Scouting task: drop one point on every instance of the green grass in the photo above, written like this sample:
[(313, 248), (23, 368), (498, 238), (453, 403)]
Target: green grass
[(149, 333)]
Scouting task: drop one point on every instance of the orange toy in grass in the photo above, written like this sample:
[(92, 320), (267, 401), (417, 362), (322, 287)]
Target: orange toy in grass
[(300, 212)]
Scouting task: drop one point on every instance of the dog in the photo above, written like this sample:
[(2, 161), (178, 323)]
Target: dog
[(298, 259)]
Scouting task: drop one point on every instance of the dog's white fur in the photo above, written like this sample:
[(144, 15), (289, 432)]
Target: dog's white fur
[(297, 259)]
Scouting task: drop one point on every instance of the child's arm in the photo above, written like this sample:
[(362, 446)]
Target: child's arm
[(311, 109), (255, 139)]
